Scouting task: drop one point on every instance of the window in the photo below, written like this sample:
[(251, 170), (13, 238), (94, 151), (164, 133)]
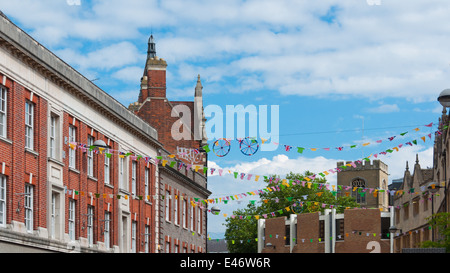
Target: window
[(53, 216), (184, 213), (358, 194), (29, 207), (133, 177), (287, 232), (339, 229), (321, 229), (72, 138), (133, 236), (2, 200), (167, 246), (90, 157), (71, 219), (90, 225), (175, 211), (192, 217), (416, 206), (199, 219), (3, 111), (107, 168), (146, 183), (167, 205), (52, 144), (147, 239), (106, 233), (385, 224), (29, 123), (121, 172)]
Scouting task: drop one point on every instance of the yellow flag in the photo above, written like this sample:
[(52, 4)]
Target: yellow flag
[(365, 144)]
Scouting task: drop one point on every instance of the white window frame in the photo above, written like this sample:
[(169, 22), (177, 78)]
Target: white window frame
[(3, 202), (3, 111), (133, 177), (133, 236), (121, 172), (53, 216), (184, 213), (147, 239), (146, 183), (199, 214), (71, 219), (29, 125), (28, 206), (175, 211), (72, 152), (191, 217), (90, 225), (90, 157), (52, 144), (107, 177), (167, 205), (106, 235)]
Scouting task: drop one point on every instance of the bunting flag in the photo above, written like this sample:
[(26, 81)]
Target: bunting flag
[(200, 168), (300, 150)]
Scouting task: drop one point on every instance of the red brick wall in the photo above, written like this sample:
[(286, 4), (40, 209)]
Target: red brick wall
[(19, 162), (274, 233)]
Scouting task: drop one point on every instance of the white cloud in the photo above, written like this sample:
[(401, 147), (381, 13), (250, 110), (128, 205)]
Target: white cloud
[(384, 108)]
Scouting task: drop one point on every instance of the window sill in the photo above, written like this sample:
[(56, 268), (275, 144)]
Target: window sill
[(92, 178), (4, 139), (28, 150), (56, 161), (74, 170)]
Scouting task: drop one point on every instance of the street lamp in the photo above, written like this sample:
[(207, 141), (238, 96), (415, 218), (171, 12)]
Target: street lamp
[(100, 144), (444, 98), (215, 210)]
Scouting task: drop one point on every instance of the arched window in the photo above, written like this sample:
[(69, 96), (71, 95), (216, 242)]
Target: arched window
[(359, 194)]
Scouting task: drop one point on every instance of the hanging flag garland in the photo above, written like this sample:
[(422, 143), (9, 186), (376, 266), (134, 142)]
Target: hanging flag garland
[(242, 176)]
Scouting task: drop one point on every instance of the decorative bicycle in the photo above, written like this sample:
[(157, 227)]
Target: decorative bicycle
[(221, 147), (248, 146)]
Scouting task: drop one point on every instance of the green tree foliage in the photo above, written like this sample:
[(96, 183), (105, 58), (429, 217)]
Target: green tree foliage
[(440, 222), (307, 199)]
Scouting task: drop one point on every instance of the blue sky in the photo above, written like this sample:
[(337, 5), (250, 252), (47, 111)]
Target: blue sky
[(330, 67)]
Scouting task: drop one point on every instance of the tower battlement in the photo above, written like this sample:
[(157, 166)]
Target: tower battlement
[(375, 164)]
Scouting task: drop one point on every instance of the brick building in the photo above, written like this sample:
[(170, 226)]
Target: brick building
[(181, 129), (354, 231), (59, 192)]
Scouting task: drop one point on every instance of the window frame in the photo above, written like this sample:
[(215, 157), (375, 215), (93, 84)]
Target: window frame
[(72, 152), (29, 125), (3, 111)]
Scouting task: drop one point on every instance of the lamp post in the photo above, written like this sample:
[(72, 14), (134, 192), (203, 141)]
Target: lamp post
[(433, 187), (444, 100)]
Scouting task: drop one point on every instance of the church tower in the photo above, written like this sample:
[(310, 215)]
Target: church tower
[(366, 175)]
